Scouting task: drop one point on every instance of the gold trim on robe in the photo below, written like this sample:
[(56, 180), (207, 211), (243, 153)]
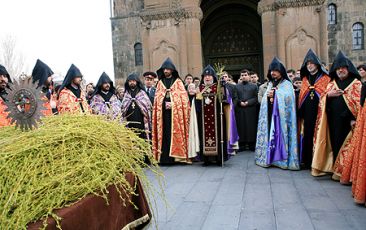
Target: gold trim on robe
[(180, 110), (69, 103), (47, 110), (319, 87), (210, 123), (354, 170), (4, 121), (323, 154)]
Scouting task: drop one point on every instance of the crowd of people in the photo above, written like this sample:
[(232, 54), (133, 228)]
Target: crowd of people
[(306, 119)]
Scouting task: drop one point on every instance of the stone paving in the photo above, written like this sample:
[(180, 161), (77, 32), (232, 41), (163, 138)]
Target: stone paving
[(244, 196)]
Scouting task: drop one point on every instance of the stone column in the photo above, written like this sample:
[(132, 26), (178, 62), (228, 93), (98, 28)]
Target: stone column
[(269, 32), (182, 43), (173, 32), (145, 33), (323, 33), (194, 46), (290, 28)]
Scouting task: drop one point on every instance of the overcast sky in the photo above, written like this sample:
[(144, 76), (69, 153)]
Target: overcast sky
[(61, 32)]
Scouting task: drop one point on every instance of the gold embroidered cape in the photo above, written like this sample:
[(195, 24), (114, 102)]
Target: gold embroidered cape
[(323, 153), (180, 120)]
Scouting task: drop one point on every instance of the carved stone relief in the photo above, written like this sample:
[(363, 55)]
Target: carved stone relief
[(262, 7), (297, 45), (161, 51), (176, 14)]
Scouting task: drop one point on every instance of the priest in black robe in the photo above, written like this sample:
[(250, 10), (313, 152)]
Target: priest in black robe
[(170, 122), (339, 108), (42, 75), (314, 82), (136, 106), (104, 101), (71, 98), (246, 111)]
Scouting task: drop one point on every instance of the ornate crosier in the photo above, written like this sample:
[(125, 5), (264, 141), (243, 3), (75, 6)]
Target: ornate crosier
[(219, 68)]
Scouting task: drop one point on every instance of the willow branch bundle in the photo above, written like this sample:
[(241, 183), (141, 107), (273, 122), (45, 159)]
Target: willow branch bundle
[(67, 158), (219, 69)]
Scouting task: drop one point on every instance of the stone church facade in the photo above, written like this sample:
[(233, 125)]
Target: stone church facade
[(236, 33)]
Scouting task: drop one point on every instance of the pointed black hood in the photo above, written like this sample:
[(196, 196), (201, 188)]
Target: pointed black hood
[(313, 58), (341, 60), (209, 70), (276, 64), (134, 76), (4, 72), (41, 72), (104, 78), (167, 64), (72, 73)]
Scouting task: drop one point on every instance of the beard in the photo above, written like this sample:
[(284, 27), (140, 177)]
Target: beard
[(106, 89), (47, 84), (342, 75), (209, 82), (276, 77), (77, 83), (3, 85), (132, 87)]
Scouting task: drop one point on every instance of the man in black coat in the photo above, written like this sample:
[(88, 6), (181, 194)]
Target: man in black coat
[(246, 111)]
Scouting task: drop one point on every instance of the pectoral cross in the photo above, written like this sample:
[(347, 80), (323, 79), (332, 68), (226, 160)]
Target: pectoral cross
[(312, 92), (312, 95), (133, 105)]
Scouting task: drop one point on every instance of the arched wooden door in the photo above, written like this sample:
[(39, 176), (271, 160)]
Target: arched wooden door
[(232, 36)]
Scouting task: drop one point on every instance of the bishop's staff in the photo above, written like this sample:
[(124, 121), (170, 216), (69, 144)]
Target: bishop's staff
[(221, 94)]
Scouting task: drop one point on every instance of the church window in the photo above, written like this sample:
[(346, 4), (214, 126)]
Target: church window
[(357, 36), (138, 54), (332, 14)]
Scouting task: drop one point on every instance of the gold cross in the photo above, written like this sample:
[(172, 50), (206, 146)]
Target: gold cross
[(210, 141)]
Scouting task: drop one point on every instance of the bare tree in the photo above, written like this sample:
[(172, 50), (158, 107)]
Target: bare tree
[(10, 57)]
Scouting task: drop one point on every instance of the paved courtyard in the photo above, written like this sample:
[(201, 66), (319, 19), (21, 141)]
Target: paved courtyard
[(244, 196)]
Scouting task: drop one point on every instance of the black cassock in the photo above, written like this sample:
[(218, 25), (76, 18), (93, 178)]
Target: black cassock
[(309, 112), (246, 117), (167, 121), (339, 117), (233, 92), (135, 116)]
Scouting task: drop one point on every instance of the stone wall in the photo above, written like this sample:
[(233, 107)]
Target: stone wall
[(165, 28), (290, 28), (340, 34), (172, 29), (126, 32)]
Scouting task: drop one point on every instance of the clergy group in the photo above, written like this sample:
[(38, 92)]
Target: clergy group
[(313, 121)]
